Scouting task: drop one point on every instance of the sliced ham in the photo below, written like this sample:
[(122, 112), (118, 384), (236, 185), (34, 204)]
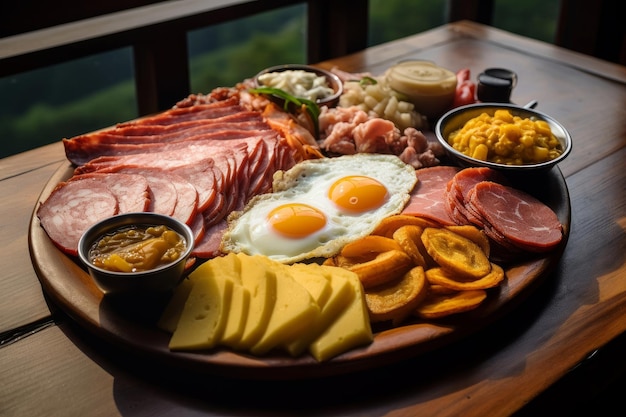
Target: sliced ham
[(519, 217), (171, 194), (209, 246), (459, 187), (428, 197), (131, 190), (196, 162), (178, 114), (84, 151), (73, 207)]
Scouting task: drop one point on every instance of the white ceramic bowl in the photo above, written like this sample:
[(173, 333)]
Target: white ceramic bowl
[(160, 279), (456, 118)]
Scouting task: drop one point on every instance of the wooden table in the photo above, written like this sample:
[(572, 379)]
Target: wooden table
[(551, 353)]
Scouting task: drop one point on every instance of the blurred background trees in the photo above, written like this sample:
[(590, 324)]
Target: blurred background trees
[(46, 105)]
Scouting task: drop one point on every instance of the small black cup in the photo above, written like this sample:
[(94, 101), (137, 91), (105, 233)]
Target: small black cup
[(495, 85)]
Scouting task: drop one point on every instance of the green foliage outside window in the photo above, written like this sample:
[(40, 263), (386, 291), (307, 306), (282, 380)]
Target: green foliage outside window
[(46, 105)]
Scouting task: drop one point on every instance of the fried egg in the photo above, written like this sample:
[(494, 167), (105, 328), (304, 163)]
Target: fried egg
[(319, 205)]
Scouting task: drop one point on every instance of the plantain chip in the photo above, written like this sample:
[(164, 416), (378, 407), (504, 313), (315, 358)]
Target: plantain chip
[(371, 244), (396, 300), (392, 223), (455, 252), (474, 234), (445, 278), (409, 239), (441, 305), (385, 267), (439, 289)]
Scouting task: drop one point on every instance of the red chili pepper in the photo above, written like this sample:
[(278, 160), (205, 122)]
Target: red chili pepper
[(465, 89)]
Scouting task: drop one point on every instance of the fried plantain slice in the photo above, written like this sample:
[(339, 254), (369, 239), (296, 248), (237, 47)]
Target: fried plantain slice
[(396, 300), (439, 289), (474, 234), (445, 278), (385, 267), (392, 223), (455, 252), (371, 244), (441, 305), (409, 239)]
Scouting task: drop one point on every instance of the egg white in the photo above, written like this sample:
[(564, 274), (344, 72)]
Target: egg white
[(308, 183)]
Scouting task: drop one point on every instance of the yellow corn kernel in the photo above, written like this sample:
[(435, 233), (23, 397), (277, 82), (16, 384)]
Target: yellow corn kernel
[(480, 152)]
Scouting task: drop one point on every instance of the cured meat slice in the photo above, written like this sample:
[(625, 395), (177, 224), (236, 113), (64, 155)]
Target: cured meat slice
[(74, 206), (179, 114), (522, 219), (459, 187), (83, 151), (163, 194), (187, 201), (197, 227), (174, 133), (202, 163), (131, 190), (428, 197), (209, 246), (203, 175), (248, 117)]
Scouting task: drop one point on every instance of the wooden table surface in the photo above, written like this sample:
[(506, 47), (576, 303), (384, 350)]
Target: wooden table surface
[(551, 353)]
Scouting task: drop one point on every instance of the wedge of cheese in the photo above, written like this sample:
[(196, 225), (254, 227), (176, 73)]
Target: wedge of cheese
[(294, 310), (312, 277), (350, 329), (230, 266), (340, 296), (204, 315), (260, 281)]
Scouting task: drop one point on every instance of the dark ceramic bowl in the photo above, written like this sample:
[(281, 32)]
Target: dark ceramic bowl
[(333, 80), (456, 118), (160, 279)]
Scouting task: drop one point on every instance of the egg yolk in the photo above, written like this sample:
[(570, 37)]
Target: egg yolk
[(296, 220), (357, 193)]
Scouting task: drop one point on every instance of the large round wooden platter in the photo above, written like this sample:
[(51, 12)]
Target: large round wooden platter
[(131, 323)]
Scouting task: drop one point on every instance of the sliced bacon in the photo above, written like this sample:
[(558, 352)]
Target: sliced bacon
[(428, 196), (72, 208)]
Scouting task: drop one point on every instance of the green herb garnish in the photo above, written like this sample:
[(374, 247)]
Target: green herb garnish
[(365, 81)]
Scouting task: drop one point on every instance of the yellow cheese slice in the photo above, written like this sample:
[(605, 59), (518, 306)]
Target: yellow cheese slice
[(294, 311), (229, 266), (349, 330), (237, 316), (311, 277), (203, 318), (341, 295), (260, 281)]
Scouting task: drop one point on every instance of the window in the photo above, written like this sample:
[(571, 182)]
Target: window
[(45, 105)]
